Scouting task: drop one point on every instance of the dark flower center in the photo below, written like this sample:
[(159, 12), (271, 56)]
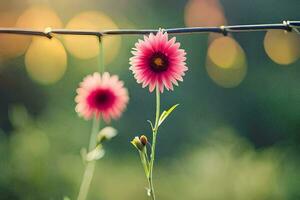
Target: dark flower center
[(101, 99), (159, 62)]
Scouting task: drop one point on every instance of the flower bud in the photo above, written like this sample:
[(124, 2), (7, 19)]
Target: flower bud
[(144, 140), (106, 133), (139, 142)]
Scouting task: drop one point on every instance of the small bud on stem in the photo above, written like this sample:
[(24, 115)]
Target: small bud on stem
[(144, 140), (140, 142)]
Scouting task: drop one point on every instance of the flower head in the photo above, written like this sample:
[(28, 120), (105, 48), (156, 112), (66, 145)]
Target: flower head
[(101, 96), (158, 62)]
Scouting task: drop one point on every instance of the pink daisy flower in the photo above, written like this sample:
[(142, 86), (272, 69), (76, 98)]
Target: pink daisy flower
[(158, 62), (101, 96)]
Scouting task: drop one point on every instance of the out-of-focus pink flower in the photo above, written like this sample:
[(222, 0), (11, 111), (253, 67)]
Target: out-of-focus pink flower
[(101, 96)]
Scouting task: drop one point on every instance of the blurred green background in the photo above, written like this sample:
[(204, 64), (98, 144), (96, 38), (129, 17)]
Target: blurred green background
[(235, 135)]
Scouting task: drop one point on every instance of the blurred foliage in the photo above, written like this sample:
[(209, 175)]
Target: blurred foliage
[(235, 134), (222, 166)]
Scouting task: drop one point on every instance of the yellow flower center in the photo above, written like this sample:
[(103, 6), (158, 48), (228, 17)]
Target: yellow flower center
[(159, 62)]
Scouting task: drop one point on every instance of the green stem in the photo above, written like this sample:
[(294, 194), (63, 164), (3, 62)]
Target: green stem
[(90, 166), (155, 130)]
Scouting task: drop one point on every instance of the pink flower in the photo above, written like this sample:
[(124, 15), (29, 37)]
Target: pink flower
[(101, 96), (158, 62)]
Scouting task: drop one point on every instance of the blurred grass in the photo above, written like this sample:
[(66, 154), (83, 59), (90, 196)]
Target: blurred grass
[(222, 166)]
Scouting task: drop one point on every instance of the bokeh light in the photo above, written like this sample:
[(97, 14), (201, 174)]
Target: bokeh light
[(86, 47), (223, 52), (11, 45), (282, 47), (204, 13), (226, 62), (46, 60), (39, 17)]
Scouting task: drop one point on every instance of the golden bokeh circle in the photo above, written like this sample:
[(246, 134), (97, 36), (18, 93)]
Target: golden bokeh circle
[(223, 51), (39, 17), (46, 60), (204, 13), (11, 45), (87, 47), (282, 47), (226, 62)]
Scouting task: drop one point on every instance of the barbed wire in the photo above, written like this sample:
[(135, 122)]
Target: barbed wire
[(48, 32)]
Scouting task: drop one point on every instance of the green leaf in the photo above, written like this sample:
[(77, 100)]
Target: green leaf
[(152, 127), (95, 154), (67, 198), (145, 162), (165, 114)]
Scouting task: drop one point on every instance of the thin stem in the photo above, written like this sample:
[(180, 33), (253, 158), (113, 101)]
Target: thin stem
[(95, 128), (90, 166), (86, 181), (155, 130), (101, 54)]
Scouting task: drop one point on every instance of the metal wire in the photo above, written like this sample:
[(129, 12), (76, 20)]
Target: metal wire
[(48, 32)]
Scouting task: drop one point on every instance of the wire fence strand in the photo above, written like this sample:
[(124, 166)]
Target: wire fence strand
[(48, 32)]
